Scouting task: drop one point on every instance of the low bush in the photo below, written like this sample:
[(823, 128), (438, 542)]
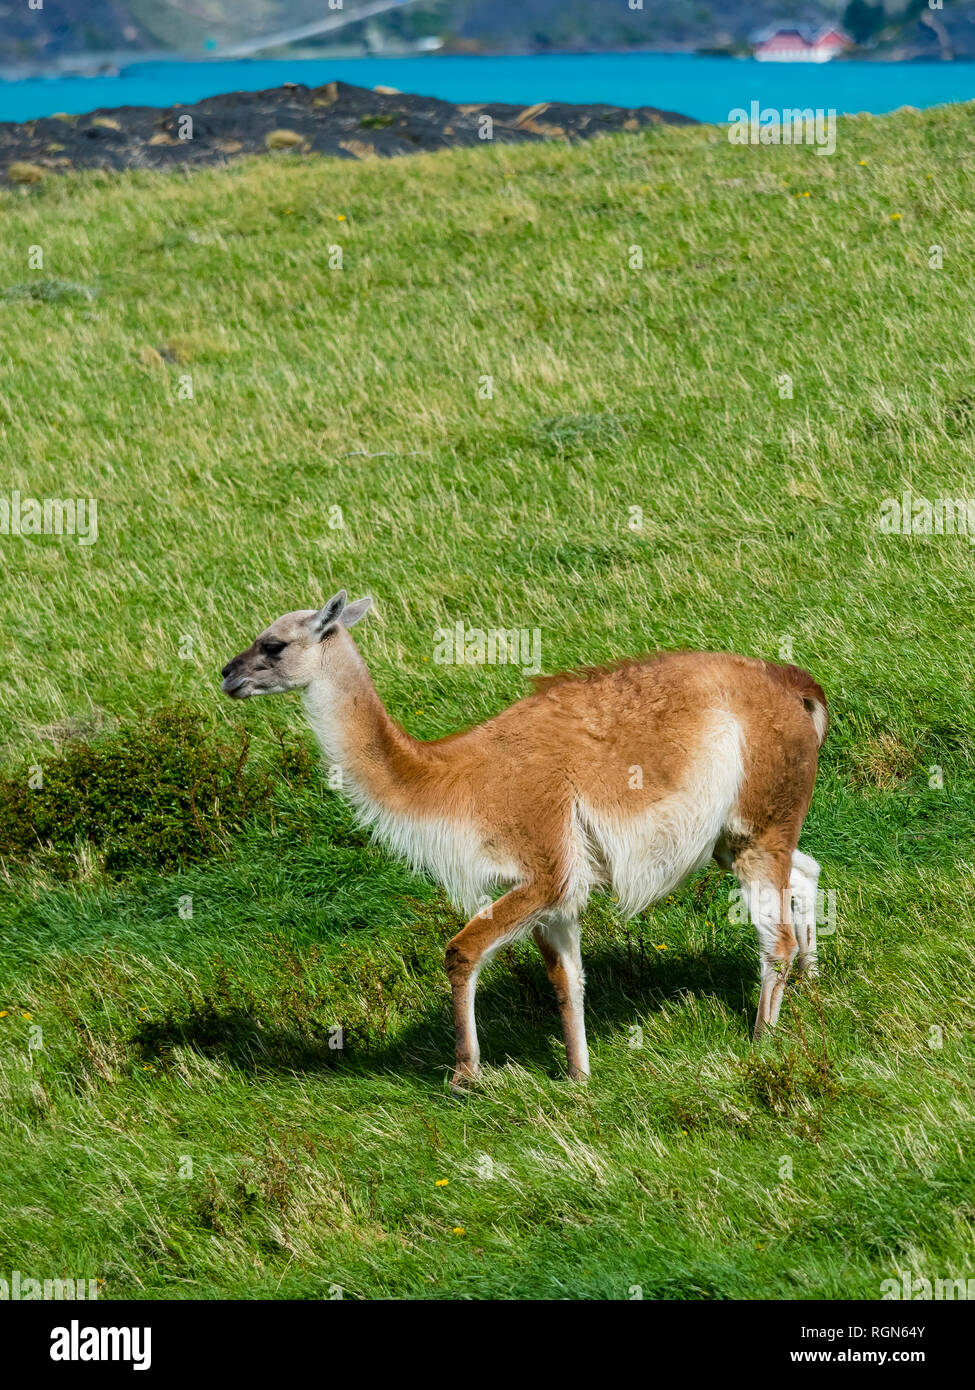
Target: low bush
[(161, 792)]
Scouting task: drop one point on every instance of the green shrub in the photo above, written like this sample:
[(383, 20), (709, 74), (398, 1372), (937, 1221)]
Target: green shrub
[(160, 793)]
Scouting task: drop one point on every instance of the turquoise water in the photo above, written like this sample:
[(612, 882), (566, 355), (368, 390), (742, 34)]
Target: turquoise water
[(708, 88)]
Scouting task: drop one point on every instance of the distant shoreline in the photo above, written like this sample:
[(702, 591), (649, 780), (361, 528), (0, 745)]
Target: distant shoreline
[(119, 63), (705, 88)]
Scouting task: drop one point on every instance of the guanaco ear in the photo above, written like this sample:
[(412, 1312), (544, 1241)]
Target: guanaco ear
[(325, 619), (355, 611)]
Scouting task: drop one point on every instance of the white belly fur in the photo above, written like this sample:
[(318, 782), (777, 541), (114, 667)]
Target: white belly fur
[(644, 857)]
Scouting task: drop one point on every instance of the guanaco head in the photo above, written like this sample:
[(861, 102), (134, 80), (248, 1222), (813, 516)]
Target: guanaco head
[(293, 651)]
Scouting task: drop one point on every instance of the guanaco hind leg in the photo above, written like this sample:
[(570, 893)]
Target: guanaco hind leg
[(764, 874), (804, 886)]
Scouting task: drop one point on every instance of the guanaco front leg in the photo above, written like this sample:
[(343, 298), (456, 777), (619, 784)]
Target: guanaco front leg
[(467, 954)]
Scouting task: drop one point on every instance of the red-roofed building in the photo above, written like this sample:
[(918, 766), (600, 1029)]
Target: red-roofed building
[(795, 45)]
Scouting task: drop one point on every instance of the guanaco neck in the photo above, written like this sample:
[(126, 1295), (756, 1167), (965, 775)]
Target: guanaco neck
[(380, 762)]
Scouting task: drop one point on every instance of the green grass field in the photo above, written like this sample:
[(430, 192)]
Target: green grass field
[(180, 1126)]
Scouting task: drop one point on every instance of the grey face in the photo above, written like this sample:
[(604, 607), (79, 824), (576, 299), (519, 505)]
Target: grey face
[(292, 651)]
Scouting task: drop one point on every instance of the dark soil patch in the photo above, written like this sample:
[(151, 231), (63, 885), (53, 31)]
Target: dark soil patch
[(336, 119)]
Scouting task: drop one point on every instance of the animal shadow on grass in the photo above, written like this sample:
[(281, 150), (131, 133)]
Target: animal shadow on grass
[(516, 1009)]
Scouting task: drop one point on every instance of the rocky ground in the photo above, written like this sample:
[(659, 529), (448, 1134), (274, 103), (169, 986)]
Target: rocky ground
[(337, 119)]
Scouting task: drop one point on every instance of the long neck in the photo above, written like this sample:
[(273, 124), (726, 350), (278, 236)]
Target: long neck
[(381, 764)]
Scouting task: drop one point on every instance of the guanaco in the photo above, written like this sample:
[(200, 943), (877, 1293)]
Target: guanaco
[(626, 777)]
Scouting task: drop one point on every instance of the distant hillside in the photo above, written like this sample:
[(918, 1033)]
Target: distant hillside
[(893, 28), (64, 28), (569, 24)]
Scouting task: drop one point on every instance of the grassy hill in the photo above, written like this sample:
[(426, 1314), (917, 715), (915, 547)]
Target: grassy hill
[(176, 1118)]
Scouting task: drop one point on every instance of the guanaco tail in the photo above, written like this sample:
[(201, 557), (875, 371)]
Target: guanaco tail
[(627, 777)]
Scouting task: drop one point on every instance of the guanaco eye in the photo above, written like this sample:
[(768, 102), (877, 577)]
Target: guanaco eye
[(272, 648)]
